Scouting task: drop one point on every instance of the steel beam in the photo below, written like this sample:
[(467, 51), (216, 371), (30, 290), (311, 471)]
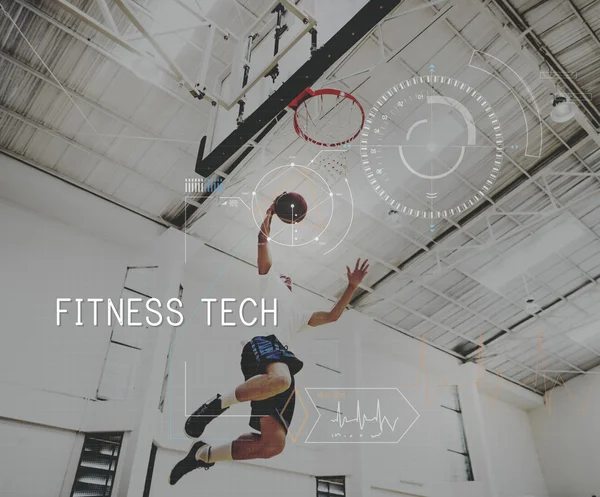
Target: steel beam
[(56, 134), (82, 186), (66, 29), (107, 15), (540, 48), (95, 105), (183, 80), (110, 33)]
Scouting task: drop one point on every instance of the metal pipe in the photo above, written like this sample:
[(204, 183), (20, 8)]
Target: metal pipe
[(278, 29)]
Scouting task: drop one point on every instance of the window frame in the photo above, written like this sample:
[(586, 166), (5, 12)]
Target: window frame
[(109, 472), (328, 480)]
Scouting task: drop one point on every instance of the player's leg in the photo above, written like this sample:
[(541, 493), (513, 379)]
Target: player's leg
[(268, 368), (269, 443), (276, 379)]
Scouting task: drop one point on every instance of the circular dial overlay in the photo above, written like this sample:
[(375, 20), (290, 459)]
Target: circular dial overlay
[(312, 187), (431, 147)]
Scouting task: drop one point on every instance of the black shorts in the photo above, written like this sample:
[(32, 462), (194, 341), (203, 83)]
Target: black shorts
[(256, 355)]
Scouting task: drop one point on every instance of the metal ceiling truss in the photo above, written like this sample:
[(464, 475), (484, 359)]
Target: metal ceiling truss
[(479, 346), (539, 348), (586, 24), (90, 44), (539, 317), (560, 298), (544, 188), (528, 34), (418, 281), (82, 186), (113, 32), (460, 227), (570, 150), (93, 153), (196, 87), (528, 180), (540, 54), (61, 85)]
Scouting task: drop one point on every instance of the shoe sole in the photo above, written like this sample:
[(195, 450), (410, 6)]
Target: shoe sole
[(169, 477), (202, 433), (190, 436)]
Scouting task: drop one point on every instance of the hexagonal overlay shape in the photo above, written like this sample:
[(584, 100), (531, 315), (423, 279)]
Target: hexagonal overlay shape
[(293, 437), (360, 415)]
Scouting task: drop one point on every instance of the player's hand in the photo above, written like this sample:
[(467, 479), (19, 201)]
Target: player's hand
[(356, 276)]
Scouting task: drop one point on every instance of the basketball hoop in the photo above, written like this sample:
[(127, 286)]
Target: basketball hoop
[(327, 117)]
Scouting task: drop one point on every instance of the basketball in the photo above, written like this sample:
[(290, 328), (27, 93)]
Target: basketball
[(291, 207)]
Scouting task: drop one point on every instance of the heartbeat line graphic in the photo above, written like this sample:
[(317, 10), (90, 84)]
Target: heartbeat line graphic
[(534, 380), (362, 419)]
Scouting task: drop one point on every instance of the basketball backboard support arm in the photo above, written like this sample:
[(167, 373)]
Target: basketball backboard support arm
[(184, 78), (238, 65), (232, 150)]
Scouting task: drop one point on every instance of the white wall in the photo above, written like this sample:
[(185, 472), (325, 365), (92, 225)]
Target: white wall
[(43, 259), (57, 241), (512, 450), (567, 437), (33, 459), (420, 456)]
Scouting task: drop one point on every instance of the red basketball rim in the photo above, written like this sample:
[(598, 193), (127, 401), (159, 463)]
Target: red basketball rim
[(308, 94)]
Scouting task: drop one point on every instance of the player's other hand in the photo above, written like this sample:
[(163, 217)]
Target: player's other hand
[(360, 271)]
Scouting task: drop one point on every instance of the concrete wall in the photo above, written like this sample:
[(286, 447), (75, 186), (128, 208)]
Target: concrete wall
[(567, 437)]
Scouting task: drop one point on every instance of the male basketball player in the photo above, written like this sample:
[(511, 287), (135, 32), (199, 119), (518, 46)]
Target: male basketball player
[(269, 368)]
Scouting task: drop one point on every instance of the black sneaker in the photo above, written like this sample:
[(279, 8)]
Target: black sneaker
[(196, 423), (189, 463)]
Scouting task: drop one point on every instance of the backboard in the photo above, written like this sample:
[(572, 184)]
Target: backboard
[(296, 44)]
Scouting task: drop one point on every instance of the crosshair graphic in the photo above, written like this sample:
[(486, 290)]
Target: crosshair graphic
[(312, 186), (424, 143)]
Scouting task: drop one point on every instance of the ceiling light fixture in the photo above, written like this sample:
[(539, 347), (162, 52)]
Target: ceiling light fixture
[(586, 332), (563, 109), (531, 251)]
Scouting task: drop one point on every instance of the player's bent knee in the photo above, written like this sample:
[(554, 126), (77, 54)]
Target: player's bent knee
[(273, 449), (280, 376), (283, 381)]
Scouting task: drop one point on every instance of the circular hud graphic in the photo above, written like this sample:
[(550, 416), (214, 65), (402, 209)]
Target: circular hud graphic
[(424, 148), (315, 190)]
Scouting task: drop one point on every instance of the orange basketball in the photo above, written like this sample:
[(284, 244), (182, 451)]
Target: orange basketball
[(291, 207)]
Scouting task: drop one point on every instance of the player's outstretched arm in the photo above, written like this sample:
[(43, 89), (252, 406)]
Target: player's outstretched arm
[(264, 255), (354, 279)]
